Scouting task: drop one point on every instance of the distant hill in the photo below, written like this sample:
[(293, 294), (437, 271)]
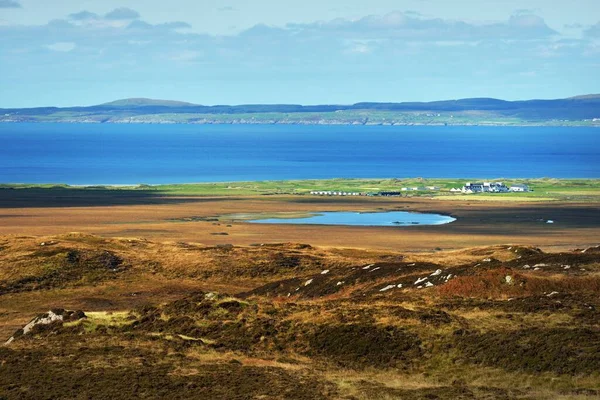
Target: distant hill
[(579, 110), (143, 102), (586, 97)]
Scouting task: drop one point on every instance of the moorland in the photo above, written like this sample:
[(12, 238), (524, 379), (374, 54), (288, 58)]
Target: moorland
[(167, 295)]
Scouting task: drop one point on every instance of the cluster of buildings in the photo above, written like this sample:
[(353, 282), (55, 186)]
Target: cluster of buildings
[(335, 193), (469, 187), (490, 187), (419, 188)]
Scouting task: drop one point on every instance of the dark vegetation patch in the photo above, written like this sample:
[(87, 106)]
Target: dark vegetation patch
[(63, 267), (456, 392), (293, 246), (85, 197), (66, 372), (231, 262), (225, 324), (352, 340), (194, 219), (559, 350), (358, 345), (69, 315), (526, 252), (434, 317), (356, 313), (278, 263), (277, 288)]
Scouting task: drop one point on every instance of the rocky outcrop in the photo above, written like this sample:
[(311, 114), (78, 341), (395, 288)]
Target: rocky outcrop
[(52, 316)]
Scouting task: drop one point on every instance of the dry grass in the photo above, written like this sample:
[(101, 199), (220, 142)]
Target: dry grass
[(479, 222), (504, 283), (286, 338)]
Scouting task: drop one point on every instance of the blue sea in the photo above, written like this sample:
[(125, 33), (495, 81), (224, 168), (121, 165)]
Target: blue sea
[(87, 154)]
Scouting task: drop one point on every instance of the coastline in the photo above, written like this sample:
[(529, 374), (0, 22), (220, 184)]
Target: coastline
[(585, 124), (542, 188)]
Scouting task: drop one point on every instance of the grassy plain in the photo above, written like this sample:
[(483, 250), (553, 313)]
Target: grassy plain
[(543, 188)]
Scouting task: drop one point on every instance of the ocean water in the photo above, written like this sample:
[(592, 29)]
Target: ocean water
[(153, 154), (392, 218)]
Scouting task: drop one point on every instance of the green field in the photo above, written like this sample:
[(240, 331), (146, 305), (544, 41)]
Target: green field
[(587, 190)]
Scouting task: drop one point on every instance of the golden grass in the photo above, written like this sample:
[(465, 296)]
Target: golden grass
[(539, 386), (349, 381), (464, 256), (487, 321), (494, 284), (162, 272)]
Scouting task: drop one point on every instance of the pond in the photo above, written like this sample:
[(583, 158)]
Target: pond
[(391, 218)]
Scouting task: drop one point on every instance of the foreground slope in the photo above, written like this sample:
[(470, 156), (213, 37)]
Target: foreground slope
[(293, 321)]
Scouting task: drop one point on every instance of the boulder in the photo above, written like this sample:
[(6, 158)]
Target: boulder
[(52, 316)]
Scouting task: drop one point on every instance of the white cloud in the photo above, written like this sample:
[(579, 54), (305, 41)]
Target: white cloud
[(9, 4), (122, 13), (63, 47), (573, 26), (409, 25), (528, 74), (593, 31), (187, 56), (83, 15), (397, 41), (359, 48)]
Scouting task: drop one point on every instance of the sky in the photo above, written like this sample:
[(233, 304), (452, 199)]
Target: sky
[(86, 52)]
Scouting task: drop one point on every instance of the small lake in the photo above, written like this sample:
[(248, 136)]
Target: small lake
[(392, 218)]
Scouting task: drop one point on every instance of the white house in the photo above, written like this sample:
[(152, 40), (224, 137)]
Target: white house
[(490, 187), (495, 187), (519, 188), (471, 187)]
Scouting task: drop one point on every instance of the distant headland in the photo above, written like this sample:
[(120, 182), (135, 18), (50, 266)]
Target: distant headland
[(573, 111)]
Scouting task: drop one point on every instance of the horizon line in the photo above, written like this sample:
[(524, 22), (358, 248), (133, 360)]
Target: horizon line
[(183, 103)]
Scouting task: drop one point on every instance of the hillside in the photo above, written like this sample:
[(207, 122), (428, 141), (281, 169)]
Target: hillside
[(143, 102), (586, 97), (580, 110), (292, 321)]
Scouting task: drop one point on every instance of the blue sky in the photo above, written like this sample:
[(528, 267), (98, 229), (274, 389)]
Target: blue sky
[(305, 52)]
